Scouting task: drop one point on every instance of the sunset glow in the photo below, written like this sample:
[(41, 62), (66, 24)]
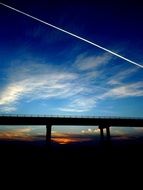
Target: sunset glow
[(65, 140), (68, 138), (18, 134)]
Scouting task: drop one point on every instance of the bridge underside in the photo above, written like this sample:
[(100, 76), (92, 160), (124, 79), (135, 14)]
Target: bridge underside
[(101, 127), (102, 123)]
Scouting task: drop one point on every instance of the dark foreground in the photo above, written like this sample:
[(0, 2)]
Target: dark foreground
[(105, 159), (88, 153)]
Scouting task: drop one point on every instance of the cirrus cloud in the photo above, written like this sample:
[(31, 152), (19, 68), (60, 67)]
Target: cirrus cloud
[(80, 86)]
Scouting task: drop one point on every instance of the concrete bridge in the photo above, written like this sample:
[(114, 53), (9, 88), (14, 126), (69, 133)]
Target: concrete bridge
[(49, 121)]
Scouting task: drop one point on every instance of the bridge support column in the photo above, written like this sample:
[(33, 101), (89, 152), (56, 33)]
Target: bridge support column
[(108, 132), (102, 127), (101, 132), (48, 133)]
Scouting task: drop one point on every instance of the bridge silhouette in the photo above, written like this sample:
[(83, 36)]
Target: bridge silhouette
[(49, 121)]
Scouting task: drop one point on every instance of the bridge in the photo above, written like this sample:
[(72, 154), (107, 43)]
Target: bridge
[(49, 121)]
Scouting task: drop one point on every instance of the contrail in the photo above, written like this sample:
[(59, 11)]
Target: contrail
[(74, 35)]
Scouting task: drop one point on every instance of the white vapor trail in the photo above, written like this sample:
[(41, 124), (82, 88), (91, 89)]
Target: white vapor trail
[(74, 35)]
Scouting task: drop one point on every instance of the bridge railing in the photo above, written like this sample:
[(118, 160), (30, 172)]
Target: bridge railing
[(68, 116)]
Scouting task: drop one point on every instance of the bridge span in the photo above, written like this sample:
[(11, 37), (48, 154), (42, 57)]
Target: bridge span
[(49, 121)]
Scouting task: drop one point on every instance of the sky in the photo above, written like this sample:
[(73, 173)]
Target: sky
[(45, 71)]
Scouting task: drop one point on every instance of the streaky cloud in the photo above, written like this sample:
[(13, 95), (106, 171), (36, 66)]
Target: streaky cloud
[(87, 63), (45, 82), (121, 76), (123, 91), (17, 134), (80, 104), (74, 35), (79, 88)]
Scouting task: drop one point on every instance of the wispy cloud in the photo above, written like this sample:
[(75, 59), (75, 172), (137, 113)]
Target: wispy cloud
[(17, 134), (80, 104), (11, 93), (84, 62), (8, 108), (37, 81), (123, 91), (120, 76), (33, 81), (81, 86)]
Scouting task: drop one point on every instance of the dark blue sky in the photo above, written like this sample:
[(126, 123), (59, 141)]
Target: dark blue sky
[(45, 71)]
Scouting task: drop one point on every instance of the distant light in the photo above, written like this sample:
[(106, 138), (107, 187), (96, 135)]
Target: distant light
[(83, 131), (96, 130), (90, 130)]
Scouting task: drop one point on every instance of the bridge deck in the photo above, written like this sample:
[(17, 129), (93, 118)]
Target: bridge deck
[(70, 120)]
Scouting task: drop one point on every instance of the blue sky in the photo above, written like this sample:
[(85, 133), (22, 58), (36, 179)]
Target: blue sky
[(44, 71)]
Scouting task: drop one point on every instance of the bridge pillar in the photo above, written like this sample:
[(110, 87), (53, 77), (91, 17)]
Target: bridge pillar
[(48, 133), (101, 127), (108, 132), (101, 132)]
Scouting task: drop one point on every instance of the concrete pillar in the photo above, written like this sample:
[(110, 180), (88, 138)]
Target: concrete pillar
[(48, 133), (101, 132), (108, 132), (102, 127)]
